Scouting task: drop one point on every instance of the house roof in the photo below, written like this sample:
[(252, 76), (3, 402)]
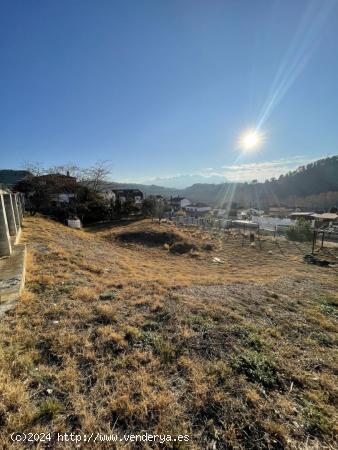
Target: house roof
[(301, 214), (326, 216), (50, 176), (198, 205), (281, 209)]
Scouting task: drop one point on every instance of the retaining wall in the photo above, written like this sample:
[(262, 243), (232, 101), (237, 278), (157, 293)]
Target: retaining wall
[(11, 216)]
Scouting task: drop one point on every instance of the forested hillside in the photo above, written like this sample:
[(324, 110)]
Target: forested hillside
[(11, 177), (315, 178), (308, 185), (312, 186)]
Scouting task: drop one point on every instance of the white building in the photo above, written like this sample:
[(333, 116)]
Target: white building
[(272, 222), (197, 208), (179, 202)]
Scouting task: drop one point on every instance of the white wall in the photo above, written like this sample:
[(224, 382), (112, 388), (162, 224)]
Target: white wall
[(197, 208), (185, 202), (272, 221)]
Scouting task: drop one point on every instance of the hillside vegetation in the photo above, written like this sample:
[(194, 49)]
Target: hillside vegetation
[(313, 186), (310, 180), (11, 177), (233, 346)]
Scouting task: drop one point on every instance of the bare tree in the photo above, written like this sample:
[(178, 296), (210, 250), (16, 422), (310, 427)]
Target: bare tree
[(93, 177), (97, 175), (70, 169), (34, 168)]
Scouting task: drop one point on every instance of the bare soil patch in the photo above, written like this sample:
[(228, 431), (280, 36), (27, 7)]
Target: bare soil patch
[(149, 238)]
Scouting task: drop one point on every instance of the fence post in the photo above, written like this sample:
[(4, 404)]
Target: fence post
[(12, 227), (16, 211), (5, 242), (314, 241), (20, 211)]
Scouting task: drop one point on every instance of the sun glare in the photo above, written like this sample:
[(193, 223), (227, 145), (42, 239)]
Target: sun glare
[(250, 140)]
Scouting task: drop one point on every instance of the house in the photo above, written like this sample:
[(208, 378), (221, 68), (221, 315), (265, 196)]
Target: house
[(326, 218), (48, 192), (56, 179), (279, 211), (131, 196), (198, 208), (178, 203), (61, 188)]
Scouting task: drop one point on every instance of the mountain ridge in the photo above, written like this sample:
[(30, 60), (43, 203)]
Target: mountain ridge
[(314, 179), (313, 182)]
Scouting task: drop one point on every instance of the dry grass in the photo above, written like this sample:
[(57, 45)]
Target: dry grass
[(237, 353)]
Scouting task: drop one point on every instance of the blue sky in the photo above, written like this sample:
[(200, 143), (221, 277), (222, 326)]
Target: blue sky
[(163, 89)]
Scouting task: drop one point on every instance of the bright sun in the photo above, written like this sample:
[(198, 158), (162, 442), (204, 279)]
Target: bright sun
[(250, 140)]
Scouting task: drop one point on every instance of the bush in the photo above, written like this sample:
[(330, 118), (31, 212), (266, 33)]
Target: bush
[(48, 410), (93, 211), (108, 295), (316, 421), (182, 247), (258, 368), (300, 232), (208, 247), (165, 350)]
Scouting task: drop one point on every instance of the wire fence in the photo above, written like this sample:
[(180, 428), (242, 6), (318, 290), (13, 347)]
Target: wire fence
[(252, 232)]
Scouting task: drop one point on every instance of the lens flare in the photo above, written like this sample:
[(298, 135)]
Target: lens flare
[(250, 140)]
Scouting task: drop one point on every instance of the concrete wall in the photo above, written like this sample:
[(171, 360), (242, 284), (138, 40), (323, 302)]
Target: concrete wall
[(11, 215), (5, 242), (11, 221), (16, 209)]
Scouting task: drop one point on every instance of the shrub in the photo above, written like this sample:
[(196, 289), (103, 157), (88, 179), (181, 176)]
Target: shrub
[(208, 247), (258, 368), (105, 314), (316, 421), (165, 350), (132, 334), (48, 410), (108, 295), (182, 247), (300, 232)]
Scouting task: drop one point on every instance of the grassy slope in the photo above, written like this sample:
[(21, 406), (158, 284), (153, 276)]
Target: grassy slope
[(238, 354)]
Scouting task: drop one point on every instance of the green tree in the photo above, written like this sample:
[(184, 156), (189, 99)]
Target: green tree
[(300, 232), (154, 207)]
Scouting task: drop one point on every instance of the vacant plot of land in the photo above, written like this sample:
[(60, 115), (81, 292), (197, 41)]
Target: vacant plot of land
[(234, 346)]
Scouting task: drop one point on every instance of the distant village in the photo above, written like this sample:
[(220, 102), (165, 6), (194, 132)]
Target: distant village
[(76, 203)]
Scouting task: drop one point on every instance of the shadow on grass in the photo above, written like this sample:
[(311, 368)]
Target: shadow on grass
[(101, 226)]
